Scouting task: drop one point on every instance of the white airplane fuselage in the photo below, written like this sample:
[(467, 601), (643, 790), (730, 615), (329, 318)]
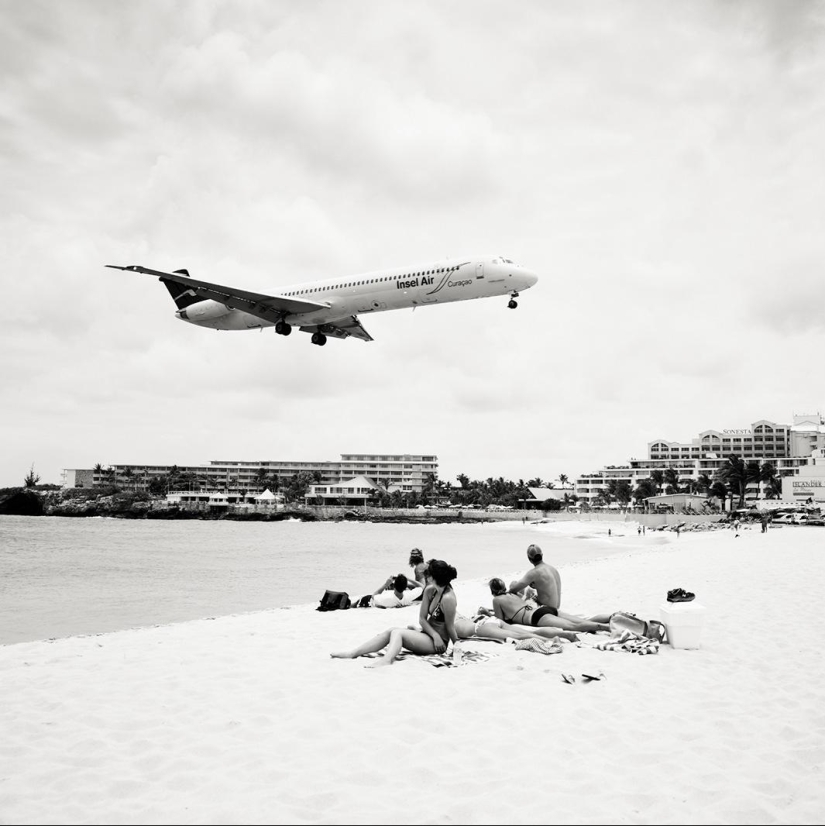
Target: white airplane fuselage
[(439, 282)]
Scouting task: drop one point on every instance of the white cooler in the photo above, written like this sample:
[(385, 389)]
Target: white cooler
[(683, 621)]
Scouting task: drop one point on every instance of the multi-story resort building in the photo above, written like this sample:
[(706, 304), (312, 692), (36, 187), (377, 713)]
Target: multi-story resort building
[(405, 472), (788, 447)]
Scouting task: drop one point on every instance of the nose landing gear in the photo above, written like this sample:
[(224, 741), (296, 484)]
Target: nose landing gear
[(512, 303)]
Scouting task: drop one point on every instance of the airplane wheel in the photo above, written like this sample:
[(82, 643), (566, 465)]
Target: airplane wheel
[(512, 304), (319, 338), (283, 329)]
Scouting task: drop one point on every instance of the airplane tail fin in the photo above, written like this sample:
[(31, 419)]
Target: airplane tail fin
[(182, 295)]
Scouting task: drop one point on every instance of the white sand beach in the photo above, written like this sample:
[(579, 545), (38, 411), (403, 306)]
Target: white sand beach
[(247, 719)]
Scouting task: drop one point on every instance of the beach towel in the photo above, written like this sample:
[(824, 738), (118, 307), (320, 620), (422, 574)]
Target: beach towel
[(630, 642), (440, 660), (539, 646)]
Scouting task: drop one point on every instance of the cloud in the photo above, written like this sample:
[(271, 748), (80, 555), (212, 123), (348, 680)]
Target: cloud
[(660, 170)]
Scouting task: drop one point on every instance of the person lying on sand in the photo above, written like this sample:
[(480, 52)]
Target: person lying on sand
[(514, 610), (396, 592), (492, 628), (437, 619)]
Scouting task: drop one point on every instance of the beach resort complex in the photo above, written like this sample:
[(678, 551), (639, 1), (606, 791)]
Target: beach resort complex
[(794, 450)]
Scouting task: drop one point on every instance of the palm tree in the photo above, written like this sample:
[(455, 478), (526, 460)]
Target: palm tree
[(645, 489), (720, 491), (703, 483), (563, 480), (736, 473), (260, 477), (771, 480)]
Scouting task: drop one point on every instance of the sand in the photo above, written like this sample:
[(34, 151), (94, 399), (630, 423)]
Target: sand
[(246, 719)]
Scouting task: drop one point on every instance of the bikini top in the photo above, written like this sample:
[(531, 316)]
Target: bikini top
[(437, 614), (523, 611)]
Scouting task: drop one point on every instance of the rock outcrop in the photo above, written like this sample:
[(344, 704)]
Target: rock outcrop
[(22, 503)]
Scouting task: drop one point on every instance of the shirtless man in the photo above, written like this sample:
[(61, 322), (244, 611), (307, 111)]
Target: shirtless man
[(547, 582)]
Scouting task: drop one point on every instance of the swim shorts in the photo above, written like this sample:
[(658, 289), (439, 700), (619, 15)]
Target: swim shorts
[(542, 611)]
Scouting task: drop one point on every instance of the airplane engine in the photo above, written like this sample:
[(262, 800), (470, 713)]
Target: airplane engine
[(204, 312)]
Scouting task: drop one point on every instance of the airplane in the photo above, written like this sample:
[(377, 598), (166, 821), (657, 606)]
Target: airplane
[(331, 307)]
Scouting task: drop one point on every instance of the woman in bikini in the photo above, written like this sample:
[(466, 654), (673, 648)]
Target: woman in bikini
[(493, 628), (437, 618), (513, 610)]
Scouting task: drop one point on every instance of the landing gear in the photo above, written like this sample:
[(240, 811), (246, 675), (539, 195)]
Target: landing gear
[(282, 328), (319, 338), (512, 303)]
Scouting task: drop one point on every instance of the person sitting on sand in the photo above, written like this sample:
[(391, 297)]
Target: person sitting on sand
[(396, 592), (419, 567), (514, 610), (437, 619), (547, 582)]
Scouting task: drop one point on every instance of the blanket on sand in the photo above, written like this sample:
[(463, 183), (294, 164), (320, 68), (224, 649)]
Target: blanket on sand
[(440, 660)]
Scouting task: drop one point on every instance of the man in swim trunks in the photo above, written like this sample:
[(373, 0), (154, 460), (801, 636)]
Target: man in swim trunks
[(547, 582), (543, 577), (513, 610)]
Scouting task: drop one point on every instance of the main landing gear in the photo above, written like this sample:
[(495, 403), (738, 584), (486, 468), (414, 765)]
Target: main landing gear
[(512, 303), (319, 338), (282, 328)]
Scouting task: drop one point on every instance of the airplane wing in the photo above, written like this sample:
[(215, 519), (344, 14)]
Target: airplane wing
[(268, 307), (346, 327)]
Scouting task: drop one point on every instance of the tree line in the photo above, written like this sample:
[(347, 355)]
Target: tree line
[(733, 481)]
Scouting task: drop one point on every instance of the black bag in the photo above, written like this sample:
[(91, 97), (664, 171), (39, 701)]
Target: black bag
[(334, 601)]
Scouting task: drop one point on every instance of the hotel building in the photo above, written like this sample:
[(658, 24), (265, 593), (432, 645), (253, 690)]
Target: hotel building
[(406, 472), (789, 447)]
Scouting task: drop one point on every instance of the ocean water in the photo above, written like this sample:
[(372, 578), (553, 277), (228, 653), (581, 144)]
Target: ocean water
[(62, 577)]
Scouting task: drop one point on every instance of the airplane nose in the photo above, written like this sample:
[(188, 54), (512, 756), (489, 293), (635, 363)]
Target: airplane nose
[(530, 278)]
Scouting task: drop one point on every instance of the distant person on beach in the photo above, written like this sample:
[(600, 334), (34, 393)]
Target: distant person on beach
[(436, 617), (512, 609)]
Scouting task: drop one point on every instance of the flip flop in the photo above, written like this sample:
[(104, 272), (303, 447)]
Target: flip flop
[(568, 678), (591, 677)]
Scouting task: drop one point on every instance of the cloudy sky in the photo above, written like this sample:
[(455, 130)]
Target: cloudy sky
[(660, 166)]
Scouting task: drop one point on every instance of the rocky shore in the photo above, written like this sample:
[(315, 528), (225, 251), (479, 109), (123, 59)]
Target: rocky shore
[(122, 505)]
